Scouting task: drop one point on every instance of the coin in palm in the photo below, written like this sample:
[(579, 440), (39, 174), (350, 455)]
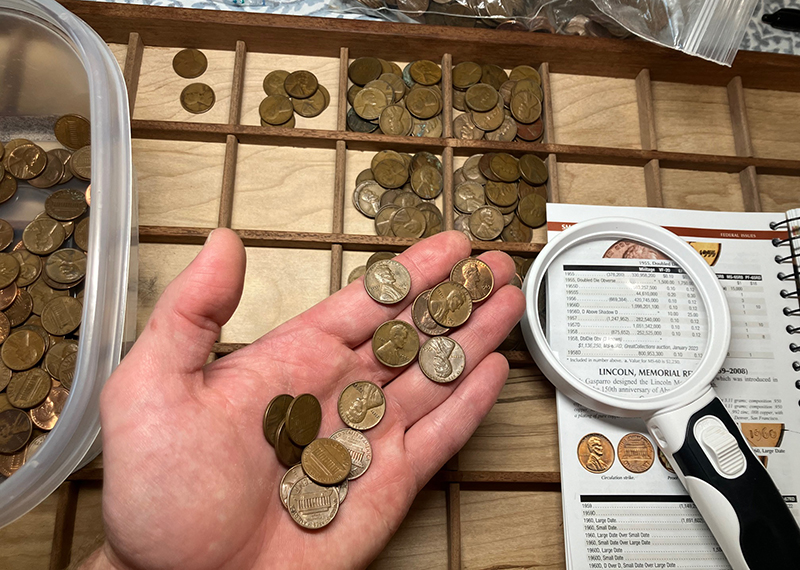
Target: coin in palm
[(362, 405)]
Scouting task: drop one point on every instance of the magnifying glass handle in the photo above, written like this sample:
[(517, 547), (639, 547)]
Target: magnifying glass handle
[(733, 491)]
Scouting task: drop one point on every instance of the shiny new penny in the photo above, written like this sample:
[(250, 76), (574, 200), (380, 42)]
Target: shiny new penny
[(358, 447), (189, 63), (29, 388), (476, 276), (313, 506), (20, 308), (387, 281), (636, 453), (15, 430), (303, 419), (288, 480), (273, 415), (486, 223), (46, 414), (326, 462), (596, 453), (450, 304), (288, 453), (22, 350), (395, 343), (362, 405), (65, 205), (422, 316), (73, 131), (196, 98), (26, 161), (441, 359), (62, 315), (43, 236)]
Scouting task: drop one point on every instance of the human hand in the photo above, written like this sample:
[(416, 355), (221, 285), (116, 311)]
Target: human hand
[(190, 481)]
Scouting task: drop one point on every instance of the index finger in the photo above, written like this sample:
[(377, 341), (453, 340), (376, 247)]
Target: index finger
[(352, 315)]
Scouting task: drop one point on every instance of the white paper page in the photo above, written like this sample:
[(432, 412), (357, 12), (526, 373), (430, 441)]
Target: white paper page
[(616, 518)]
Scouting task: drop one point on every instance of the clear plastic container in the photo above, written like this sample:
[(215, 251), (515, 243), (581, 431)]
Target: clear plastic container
[(51, 64)]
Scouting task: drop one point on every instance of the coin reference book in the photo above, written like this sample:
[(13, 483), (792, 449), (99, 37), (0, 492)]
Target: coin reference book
[(623, 506)]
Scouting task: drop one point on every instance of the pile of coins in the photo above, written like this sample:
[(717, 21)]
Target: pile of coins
[(320, 469), (398, 192), (435, 312), (22, 160), (196, 98), (289, 93), (499, 196), (386, 100), (497, 106), (40, 305)]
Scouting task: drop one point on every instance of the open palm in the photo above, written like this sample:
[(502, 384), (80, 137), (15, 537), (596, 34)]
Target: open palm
[(190, 481)]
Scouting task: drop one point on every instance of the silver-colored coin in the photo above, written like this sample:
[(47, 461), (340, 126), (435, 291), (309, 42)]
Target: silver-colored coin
[(441, 359), (387, 281), (359, 448), (288, 480), (313, 506)]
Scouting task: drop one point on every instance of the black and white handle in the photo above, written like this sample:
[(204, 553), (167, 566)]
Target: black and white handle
[(731, 488)]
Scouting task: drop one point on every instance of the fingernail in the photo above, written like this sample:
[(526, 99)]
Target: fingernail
[(208, 239)]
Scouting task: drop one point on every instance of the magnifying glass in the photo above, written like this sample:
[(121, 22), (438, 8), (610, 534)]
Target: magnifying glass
[(637, 325)]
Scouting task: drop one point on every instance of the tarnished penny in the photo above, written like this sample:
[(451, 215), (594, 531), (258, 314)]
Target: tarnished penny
[(384, 88), (466, 74), (288, 480), (486, 223), (288, 453), (383, 221), (22, 350), (396, 83), (273, 82), (390, 173), (303, 419), (359, 125), (46, 414), (34, 446), (20, 308), (476, 277), (379, 256), (504, 166), (62, 315), (40, 294), (273, 415), (65, 205), (427, 182), (356, 273), (532, 169), (43, 236), (30, 267), (26, 162), (4, 403), (525, 107), (276, 109), (196, 98), (5, 328), (395, 343), (636, 453), (5, 377), (9, 269), (506, 132), (51, 175), (441, 359), (469, 196), (450, 304), (430, 128), (387, 281), (422, 316), (364, 69), (465, 128), (66, 266), (433, 218), (358, 447), (55, 356), (326, 462), (8, 187), (66, 371), (369, 103), (395, 120), (501, 194), (516, 231), (596, 453), (82, 234), (525, 72), (314, 105), (408, 222), (189, 63), (424, 102), (665, 462), (425, 72), (81, 165), (15, 431), (493, 75), (65, 157), (313, 506), (362, 405), (29, 388), (482, 97), (490, 120), (532, 210), (73, 131), (367, 197)]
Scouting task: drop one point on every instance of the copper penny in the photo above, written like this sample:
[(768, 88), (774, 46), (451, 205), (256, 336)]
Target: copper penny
[(82, 234), (189, 63), (273, 415), (43, 236), (5, 376), (486, 223), (636, 453), (395, 343), (15, 430), (196, 98), (9, 269), (55, 357), (288, 453), (22, 350), (66, 371), (303, 419), (66, 266), (273, 82), (52, 173), (362, 405), (62, 315), (26, 161), (364, 69), (450, 304), (442, 359), (476, 276), (387, 281), (65, 157), (10, 464), (65, 205), (8, 187), (665, 462), (29, 388), (20, 308), (596, 453), (34, 446), (408, 222), (422, 316), (326, 462), (41, 294), (46, 414)]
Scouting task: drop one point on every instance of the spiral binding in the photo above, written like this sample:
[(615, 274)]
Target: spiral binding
[(794, 275)]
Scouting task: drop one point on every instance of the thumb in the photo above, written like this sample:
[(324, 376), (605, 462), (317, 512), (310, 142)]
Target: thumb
[(188, 317)]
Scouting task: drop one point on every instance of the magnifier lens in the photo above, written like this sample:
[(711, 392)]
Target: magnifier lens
[(623, 318)]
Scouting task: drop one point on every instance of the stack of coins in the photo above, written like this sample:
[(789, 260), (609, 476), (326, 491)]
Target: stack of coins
[(289, 93), (362, 269), (435, 312), (499, 196), (196, 98), (41, 301), (320, 469), (497, 106), (386, 100), (398, 192)]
